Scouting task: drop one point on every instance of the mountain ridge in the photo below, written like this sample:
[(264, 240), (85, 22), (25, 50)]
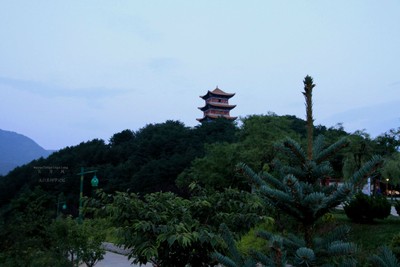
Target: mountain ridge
[(17, 149)]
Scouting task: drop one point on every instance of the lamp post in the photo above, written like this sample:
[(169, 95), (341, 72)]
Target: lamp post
[(94, 182), (387, 186), (64, 204)]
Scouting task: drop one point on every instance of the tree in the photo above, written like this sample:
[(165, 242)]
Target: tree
[(301, 192), (122, 138), (391, 170), (389, 142), (77, 242), (160, 229), (168, 230), (23, 234), (359, 151), (215, 170), (259, 133)]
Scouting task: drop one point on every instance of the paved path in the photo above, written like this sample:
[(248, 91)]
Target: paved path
[(116, 257), (393, 212), (116, 260)]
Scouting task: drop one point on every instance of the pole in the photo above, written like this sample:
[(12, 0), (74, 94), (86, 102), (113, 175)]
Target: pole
[(58, 206), (82, 173), (81, 196)]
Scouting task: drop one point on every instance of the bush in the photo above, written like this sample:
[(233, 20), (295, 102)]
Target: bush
[(251, 242), (364, 209)]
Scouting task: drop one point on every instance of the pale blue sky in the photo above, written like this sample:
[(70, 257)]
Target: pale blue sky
[(71, 71)]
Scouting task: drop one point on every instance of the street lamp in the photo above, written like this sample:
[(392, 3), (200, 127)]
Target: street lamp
[(94, 182)]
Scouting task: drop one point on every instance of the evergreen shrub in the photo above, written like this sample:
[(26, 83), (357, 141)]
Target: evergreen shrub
[(364, 209)]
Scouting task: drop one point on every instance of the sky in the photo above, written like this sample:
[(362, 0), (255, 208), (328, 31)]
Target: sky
[(73, 71)]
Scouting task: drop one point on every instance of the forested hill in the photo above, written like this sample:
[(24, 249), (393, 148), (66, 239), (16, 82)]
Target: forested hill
[(169, 156), (17, 149)]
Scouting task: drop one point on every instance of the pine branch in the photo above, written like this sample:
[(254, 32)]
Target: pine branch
[(291, 147), (277, 253), (272, 181), (250, 174), (305, 257), (261, 258), (314, 201), (342, 193), (318, 145), (293, 187), (237, 259), (385, 258), (296, 171), (283, 201), (331, 150), (339, 248), (230, 242), (293, 242), (322, 170), (369, 167), (225, 261), (339, 233)]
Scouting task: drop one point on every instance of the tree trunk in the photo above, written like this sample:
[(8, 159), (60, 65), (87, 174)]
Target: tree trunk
[(308, 87), (308, 235)]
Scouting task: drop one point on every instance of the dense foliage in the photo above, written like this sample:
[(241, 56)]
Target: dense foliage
[(364, 209), (167, 188), (145, 161), (167, 230), (32, 236)]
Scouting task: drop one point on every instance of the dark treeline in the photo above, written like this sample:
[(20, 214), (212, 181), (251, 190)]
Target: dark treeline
[(169, 156), (198, 165)]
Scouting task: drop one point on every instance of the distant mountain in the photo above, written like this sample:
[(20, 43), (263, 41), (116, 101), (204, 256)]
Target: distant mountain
[(17, 149)]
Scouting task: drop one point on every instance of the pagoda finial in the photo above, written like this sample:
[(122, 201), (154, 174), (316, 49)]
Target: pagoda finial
[(216, 87)]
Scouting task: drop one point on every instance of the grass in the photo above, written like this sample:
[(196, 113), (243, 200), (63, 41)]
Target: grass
[(111, 235), (369, 237)]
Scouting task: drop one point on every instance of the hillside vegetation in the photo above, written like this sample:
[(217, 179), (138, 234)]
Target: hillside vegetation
[(166, 188)]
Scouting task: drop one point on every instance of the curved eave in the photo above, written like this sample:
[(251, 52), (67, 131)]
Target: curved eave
[(217, 93), (217, 106), (213, 117)]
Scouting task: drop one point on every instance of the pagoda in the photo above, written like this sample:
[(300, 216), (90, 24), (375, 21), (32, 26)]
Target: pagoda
[(216, 106)]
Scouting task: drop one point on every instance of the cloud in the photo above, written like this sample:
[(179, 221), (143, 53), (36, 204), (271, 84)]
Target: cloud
[(394, 84), (54, 91), (163, 64), (376, 119)]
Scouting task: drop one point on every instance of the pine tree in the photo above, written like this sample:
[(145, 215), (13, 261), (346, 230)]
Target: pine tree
[(301, 192)]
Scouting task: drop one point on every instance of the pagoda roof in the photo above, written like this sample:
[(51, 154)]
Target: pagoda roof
[(210, 116), (217, 92), (217, 105)]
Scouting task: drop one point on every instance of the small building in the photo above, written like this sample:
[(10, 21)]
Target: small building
[(216, 106)]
